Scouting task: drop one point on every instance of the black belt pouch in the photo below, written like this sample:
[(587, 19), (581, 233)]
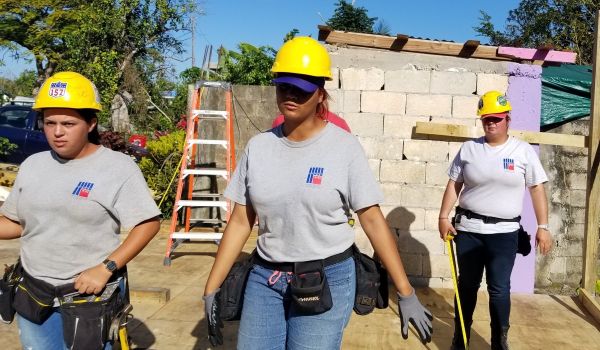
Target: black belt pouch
[(309, 288), (524, 242), (8, 285), (232, 289), (371, 284), (86, 325), (34, 299)]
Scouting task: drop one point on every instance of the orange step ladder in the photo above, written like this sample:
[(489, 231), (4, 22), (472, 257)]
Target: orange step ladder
[(190, 171)]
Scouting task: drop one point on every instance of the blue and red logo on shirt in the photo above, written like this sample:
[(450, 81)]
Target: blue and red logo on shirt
[(315, 175), (83, 189), (508, 164)]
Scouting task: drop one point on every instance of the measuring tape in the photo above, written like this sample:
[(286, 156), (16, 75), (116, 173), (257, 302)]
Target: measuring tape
[(452, 257)]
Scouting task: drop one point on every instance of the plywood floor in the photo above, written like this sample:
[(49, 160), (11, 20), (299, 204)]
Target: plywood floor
[(537, 321)]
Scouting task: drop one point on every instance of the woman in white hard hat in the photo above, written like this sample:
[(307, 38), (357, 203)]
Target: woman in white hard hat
[(68, 206), (301, 179), (489, 176)]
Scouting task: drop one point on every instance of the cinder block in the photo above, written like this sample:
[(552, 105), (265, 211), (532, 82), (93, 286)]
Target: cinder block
[(424, 150), (423, 196), (577, 198), (440, 265), (401, 126), (365, 124), (392, 193), (401, 219), (374, 164), (416, 81), (453, 83), (334, 83), (558, 265), (434, 105), (574, 264), (453, 148), (382, 147), (577, 181), (464, 106), (436, 173), (362, 241), (383, 102), (487, 82), (428, 242), (362, 79), (413, 264), (344, 101), (150, 294), (405, 171), (431, 219)]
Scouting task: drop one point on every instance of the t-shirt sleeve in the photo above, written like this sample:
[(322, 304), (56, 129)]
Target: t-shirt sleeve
[(363, 189), (534, 172), (455, 172), (9, 208), (237, 190), (133, 202)]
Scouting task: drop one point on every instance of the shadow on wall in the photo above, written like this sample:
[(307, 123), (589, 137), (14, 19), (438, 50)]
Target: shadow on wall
[(417, 264)]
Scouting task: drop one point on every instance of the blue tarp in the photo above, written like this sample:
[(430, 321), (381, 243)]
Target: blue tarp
[(565, 93)]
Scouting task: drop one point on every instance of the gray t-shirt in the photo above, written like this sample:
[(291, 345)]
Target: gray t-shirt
[(303, 191), (494, 180), (71, 211)]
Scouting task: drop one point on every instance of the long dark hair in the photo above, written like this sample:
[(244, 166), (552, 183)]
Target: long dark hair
[(88, 115), (323, 107)]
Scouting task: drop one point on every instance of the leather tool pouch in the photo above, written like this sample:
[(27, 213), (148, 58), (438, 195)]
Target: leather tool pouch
[(309, 288), (8, 285), (524, 242), (371, 284), (33, 298), (232, 289), (86, 323)]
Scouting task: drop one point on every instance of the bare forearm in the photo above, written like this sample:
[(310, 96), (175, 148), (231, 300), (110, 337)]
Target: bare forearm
[(9, 229), (234, 237), (450, 196), (540, 203), (135, 242), (378, 232)]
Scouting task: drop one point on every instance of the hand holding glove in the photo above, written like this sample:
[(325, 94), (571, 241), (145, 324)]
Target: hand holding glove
[(212, 309), (412, 311)]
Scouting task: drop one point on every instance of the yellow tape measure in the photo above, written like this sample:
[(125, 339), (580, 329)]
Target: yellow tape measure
[(453, 268)]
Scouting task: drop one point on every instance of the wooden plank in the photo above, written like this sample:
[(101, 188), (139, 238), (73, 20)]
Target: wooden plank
[(537, 54), (153, 294), (463, 132), (411, 45), (592, 210), (590, 304)]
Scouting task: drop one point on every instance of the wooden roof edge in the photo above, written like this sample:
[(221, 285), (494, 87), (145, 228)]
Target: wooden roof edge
[(545, 53)]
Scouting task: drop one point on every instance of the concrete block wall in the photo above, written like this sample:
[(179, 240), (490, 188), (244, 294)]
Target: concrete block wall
[(381, 97)]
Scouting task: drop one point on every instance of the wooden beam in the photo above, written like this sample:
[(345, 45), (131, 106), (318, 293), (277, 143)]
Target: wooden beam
[(463, 132), (324, 32), (411, 45), (590, 304), (592, 211), (536, 54)]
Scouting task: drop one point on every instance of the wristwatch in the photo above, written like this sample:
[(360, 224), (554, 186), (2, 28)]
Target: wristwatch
[(110, 265), (543, 227)]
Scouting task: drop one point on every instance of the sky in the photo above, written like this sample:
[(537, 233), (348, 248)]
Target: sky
[(265, 23)]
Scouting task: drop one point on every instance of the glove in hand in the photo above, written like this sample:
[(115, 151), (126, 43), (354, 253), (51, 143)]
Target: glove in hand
[(212, 309), (412, 311)]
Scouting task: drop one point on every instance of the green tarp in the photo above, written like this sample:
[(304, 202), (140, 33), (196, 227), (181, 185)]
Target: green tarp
[(565, 93)]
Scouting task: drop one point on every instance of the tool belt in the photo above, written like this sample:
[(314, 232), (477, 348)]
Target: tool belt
[(233, 287), (486, 219), (371, 284), (8, 284), (86, 318)]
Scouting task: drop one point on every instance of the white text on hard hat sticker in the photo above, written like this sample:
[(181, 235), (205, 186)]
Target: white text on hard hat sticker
[(57, 89)]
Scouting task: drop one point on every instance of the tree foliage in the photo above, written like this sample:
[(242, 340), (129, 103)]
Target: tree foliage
[(564, 24), (350, 18), (250, 66), (21, 86)]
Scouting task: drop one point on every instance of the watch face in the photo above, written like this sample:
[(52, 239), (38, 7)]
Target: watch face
[(111, 265)]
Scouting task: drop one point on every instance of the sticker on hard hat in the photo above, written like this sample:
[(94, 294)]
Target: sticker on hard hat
[(480, 106), (502, 100), (57, 89)]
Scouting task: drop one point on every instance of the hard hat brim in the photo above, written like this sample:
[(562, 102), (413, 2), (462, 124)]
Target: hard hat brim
[(298, 82), (495, 115)]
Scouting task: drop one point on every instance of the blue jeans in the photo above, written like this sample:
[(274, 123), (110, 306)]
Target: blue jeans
[(269, 322), (496, 252)]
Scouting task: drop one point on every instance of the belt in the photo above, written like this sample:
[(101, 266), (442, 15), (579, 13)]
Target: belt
[(486, 219), (289, 266)]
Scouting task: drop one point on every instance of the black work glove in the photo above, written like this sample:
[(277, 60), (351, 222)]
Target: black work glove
[(412, 311), (212, 309)]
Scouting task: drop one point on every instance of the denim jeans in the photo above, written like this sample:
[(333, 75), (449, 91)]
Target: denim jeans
[(496, 252), (269, 322)]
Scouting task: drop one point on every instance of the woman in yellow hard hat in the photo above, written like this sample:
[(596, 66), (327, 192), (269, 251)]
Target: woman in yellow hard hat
[(489, 176), (68, 206), (301, 179)]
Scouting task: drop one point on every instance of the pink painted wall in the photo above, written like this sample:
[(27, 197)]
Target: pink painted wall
[(525, 95)]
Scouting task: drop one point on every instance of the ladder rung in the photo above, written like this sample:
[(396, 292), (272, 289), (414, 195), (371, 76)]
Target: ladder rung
[(200, 204), (206, 171), (221, 84), (208, 221), (207, 113), (207, 142), (209, 236), (212, 195)]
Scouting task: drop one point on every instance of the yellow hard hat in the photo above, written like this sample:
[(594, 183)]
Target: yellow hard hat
[(68, 90), (303, 55), (493, 102)]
